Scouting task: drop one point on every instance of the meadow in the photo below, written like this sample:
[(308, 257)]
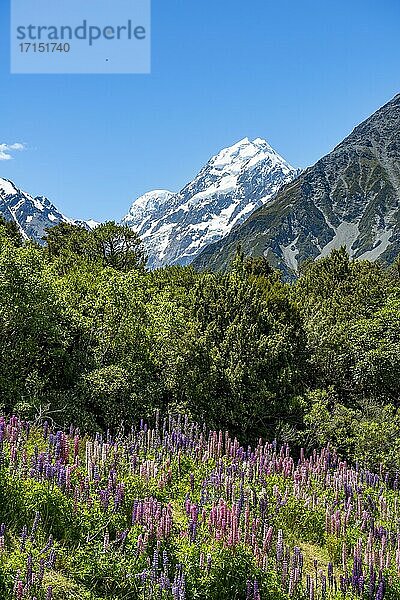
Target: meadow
[(174, 511)]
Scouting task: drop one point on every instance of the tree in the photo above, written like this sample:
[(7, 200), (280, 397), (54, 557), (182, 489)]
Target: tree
[(11, 232), (120, 247), (333, 294), (374, 348), (109, 245), (258, 266), (40, 354), (66, 241), (249, 344)]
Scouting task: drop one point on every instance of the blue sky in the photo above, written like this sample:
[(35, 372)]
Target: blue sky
[(300, 74)]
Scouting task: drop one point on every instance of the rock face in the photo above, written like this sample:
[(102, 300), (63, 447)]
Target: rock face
[(176, 227), (32, 215), (350, 197)]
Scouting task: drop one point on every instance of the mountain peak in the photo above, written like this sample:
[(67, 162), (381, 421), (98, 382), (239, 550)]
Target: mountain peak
[(350, 197), (160, 195), (246, 154), (32, 214), (7, 187), (146, 207), (233, 183)]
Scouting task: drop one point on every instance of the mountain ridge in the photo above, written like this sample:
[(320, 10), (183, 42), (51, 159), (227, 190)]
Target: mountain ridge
[(175, 227), (32, 214), (349, 197)]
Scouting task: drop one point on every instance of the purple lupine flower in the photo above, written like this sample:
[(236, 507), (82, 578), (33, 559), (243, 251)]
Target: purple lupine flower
[(330, 574), (19, 591), (24, 536), (279, 546), (35, 525), (29, 571), (209, 560), (380, 594), (323, 586), (49, 593), (165, 561), (249, 590), (372, 582), (40, 574), (119, 495), (155, 560), (2, 536), (51, 559), (48, 545)]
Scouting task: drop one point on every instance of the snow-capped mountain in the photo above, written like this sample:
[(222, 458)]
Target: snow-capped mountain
[(176, 227), (148, 208), (32, 214), (350, 197)]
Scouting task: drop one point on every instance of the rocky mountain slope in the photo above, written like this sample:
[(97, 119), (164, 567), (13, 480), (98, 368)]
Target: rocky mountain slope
[(32, 214), (350, 197), (176, 227)]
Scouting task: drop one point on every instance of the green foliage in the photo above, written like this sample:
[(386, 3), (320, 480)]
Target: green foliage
[(252, 343), (119, 246), (10, 233), (368, 433), (38, 354), (89, 336), (334, 294), (109, 245)]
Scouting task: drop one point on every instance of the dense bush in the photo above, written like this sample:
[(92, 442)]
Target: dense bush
[(88, 336)]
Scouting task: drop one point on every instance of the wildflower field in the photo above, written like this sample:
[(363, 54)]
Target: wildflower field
[(173, 511)]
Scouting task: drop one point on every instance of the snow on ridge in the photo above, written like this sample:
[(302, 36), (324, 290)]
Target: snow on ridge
[(32, 214), (146, 205), (161, 195), (37, 204), (7, 187), (245, 153), (92, 223), (176, 227)]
